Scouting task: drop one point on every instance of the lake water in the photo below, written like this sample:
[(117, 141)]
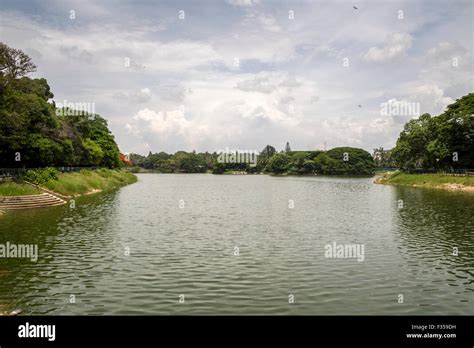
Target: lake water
[(244, 245)]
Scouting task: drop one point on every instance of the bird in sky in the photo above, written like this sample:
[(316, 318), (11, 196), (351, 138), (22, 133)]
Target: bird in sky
[(360, 105), (355, 8)]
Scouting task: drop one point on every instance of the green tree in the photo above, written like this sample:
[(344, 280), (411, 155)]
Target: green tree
[(411, 149), (264, 158), (347, 161), (279, 163), (441, 142), (14, 64), (31, 126), (94, 153)]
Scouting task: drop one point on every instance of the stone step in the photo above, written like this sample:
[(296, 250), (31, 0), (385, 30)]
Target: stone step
[(30, 201), (30, 206), (41, 199), (25, 196), (14, 199), (26, 206), (28, 196)]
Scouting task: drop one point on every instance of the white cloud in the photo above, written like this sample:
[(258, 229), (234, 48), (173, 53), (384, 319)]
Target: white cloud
[(243, 3), (264, 21), (162, 122), (290, 85), (144, 95), (431, 98), (449, 66), (267, 82), (394, 47), (444, 53)]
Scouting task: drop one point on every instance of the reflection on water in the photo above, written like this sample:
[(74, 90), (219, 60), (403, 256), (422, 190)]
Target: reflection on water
[(436, 227), (236, 247)]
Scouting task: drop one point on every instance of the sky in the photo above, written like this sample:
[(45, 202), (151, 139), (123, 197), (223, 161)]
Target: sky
[(241, 74)]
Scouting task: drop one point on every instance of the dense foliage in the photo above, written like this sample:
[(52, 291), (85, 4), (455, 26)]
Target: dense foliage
[(34, 133), (180, 162), (383, 158), (340, 161), (443, 142), (41, 176)]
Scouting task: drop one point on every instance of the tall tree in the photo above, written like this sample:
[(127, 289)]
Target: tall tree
[(14, 64), (33, 133), (441, 142)]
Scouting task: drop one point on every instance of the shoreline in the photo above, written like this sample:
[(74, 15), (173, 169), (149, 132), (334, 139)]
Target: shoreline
[(262, 173), (86, 182), (432, 181), (68, 186)]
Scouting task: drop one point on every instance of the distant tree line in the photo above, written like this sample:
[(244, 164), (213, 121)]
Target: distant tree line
[(442, 143), (34, 133), (339, 161), (383, 158)]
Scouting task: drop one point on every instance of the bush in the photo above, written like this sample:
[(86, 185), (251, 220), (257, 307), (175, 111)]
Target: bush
[(105, 173), (279, 163), (219, 168), (41, 176)]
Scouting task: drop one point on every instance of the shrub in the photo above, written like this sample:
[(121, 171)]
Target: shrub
[(105, 173), (41, 176)]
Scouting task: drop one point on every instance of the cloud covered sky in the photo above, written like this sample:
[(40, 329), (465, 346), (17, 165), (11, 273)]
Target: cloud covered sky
[(206, 75)]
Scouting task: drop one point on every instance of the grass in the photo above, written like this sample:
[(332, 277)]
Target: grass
[(234, 172), (11, 188), (428, 180), (383, 172), (89, 181)]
